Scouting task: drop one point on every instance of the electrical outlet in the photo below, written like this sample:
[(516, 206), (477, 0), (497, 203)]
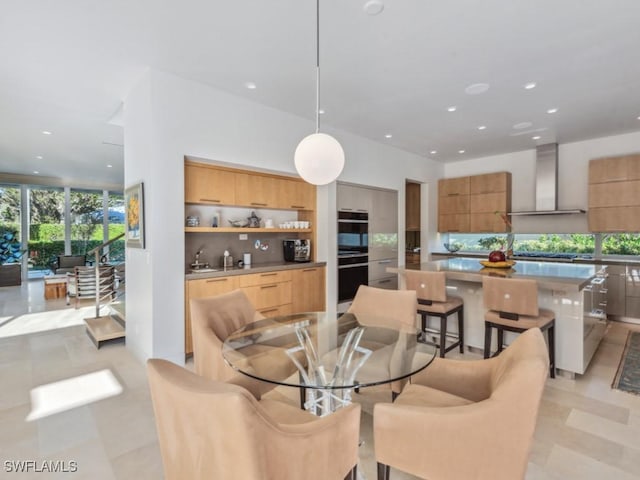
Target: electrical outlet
[(243, 236)]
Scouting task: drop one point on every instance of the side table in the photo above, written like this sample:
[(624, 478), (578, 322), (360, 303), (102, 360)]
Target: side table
[(55, 286)]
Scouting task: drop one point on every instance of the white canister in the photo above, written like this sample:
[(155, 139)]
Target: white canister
[(246, 258)]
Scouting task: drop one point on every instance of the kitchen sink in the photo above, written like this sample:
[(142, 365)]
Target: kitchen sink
[(204, 270)]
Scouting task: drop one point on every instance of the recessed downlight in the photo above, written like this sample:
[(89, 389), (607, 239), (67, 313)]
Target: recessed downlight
[(373, 7), (433, 152), (460, 151), (476, 88), (109, 166), (530, 85), (452, 108), (321, 111), (552, 110), (388, 135), (638, 117), (39, 157), (47, 132), (250, 85), (521, 125), (36, 172), (536, 137), (482, 127)]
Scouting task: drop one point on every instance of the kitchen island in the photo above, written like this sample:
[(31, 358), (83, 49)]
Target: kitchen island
[(574, 292)]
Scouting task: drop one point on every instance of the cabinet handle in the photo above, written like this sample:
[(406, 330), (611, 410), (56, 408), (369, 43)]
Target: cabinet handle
[(270, 310), (382, 262), (257, 204), (347, 209), (309, 270), (214, 200), (453, 194), (268, 274), (269, 286), (300, 207), (384, 281), (217, 280), (361, 210)]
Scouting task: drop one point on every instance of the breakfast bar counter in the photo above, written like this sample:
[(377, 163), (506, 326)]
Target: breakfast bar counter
[(573, 292)]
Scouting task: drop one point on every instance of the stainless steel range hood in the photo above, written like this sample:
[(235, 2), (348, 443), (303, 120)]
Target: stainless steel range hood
[(547, 183)]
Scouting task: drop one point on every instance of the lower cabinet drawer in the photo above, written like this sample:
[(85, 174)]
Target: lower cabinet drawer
[(390, 283), (269, 295), (276, 311)]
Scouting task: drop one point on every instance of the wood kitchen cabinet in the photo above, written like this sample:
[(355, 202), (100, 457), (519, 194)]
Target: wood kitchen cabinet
[(412, 208), (258, 191), (469, 204), (297, 195), (268, 291), (202, 288), (208, 185), (308, 293), (614, 194)]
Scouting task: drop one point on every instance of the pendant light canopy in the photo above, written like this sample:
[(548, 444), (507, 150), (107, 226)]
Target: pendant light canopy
[(319, 157)]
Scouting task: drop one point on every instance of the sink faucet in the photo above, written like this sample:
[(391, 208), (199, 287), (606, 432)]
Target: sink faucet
[(197, 262)]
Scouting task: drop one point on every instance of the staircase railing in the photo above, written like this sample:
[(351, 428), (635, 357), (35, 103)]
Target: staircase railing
[(103, 291)]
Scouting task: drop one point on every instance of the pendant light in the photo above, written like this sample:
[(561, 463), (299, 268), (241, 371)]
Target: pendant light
[(319, 157)]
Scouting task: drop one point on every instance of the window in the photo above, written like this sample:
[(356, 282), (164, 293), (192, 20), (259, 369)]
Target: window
[(9, 209), (578, 243), (86, 221), (621, 243), (46, 227)]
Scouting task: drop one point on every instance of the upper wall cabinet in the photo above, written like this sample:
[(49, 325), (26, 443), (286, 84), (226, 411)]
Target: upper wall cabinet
[(469, 204), (208, 184), (257, 191), (353, 198), (614, 194)]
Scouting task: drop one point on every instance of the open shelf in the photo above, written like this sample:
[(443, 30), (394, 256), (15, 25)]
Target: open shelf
[(245, 230)]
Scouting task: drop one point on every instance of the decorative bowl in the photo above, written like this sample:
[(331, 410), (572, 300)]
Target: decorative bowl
[(239, 223), (452, 247)]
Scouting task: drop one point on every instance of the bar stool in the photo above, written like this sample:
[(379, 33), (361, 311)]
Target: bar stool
[(513, 306), (434, 302)]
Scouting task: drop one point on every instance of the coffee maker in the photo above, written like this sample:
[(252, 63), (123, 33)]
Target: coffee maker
[(297, 250)]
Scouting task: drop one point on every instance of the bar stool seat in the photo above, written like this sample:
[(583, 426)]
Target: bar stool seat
[(513, 307), (433, 301)]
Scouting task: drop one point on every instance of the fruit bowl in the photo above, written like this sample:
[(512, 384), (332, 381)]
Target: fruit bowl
[(239, 223), (505, 264), (452, 247)]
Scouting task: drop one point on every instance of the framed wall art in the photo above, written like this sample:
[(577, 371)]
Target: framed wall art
[(134, 228)]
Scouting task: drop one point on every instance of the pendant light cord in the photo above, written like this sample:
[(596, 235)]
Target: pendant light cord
[(317, 66)]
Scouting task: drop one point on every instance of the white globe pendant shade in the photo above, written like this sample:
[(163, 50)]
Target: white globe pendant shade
[(319, 158)]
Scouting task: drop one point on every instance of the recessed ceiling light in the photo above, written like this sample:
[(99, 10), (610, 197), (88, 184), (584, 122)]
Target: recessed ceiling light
[(460, 151), (638, 118), (537, 137), (46, 132), (552, 110), (476, 88), (482, 127), (452, 108), (530, 85), (36, 172), (433, 152), (521, 125), (373, 7), (321, 111), (250, 85), (388, 135), (39, 157), (109, 166)]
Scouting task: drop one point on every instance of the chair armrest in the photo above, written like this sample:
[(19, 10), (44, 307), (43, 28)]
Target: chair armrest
[(467, 379)]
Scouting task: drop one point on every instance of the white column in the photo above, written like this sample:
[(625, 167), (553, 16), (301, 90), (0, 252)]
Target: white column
[(67, 220)]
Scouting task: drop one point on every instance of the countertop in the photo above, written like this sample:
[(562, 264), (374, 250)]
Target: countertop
[(580, 260), (549, 275), (256, 268)]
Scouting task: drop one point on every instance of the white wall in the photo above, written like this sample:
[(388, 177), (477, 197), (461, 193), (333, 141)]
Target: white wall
[(167, 117), (573, 166)]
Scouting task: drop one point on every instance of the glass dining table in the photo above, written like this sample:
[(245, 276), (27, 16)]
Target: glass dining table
[(327, 354)]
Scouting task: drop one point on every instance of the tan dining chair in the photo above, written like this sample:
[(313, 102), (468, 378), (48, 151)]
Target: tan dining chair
[(433, 301), (218, 430), (382, 307), (462, 419), (513, 307)]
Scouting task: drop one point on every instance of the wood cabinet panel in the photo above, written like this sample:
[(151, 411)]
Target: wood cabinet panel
[(620, 194), (486, 222), (633, 167), (453, 186), (257, 190), (296, 195), (412, 207), (458, 222), (308, 294), (614, 219), (264, 278), (269, 295), (614, 169), (453, 204), (206, 287), (276, 311), (490, 183), (488, 203), (209, 185)]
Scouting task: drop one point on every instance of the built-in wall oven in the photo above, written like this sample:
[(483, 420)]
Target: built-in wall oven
[(353, 252)]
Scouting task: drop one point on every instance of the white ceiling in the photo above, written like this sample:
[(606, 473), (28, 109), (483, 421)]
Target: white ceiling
[(66, 66)]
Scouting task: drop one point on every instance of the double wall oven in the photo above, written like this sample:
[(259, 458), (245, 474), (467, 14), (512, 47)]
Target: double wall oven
[(353, 252)]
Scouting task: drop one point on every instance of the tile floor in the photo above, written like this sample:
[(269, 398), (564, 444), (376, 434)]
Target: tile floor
[(585, 429)]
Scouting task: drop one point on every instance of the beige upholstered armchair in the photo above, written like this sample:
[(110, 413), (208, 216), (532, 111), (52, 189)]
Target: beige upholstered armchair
[(381, 307), (466, 419), (216, 430)]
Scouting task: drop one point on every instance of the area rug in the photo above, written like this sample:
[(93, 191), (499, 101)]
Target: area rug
[(628, 374)]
